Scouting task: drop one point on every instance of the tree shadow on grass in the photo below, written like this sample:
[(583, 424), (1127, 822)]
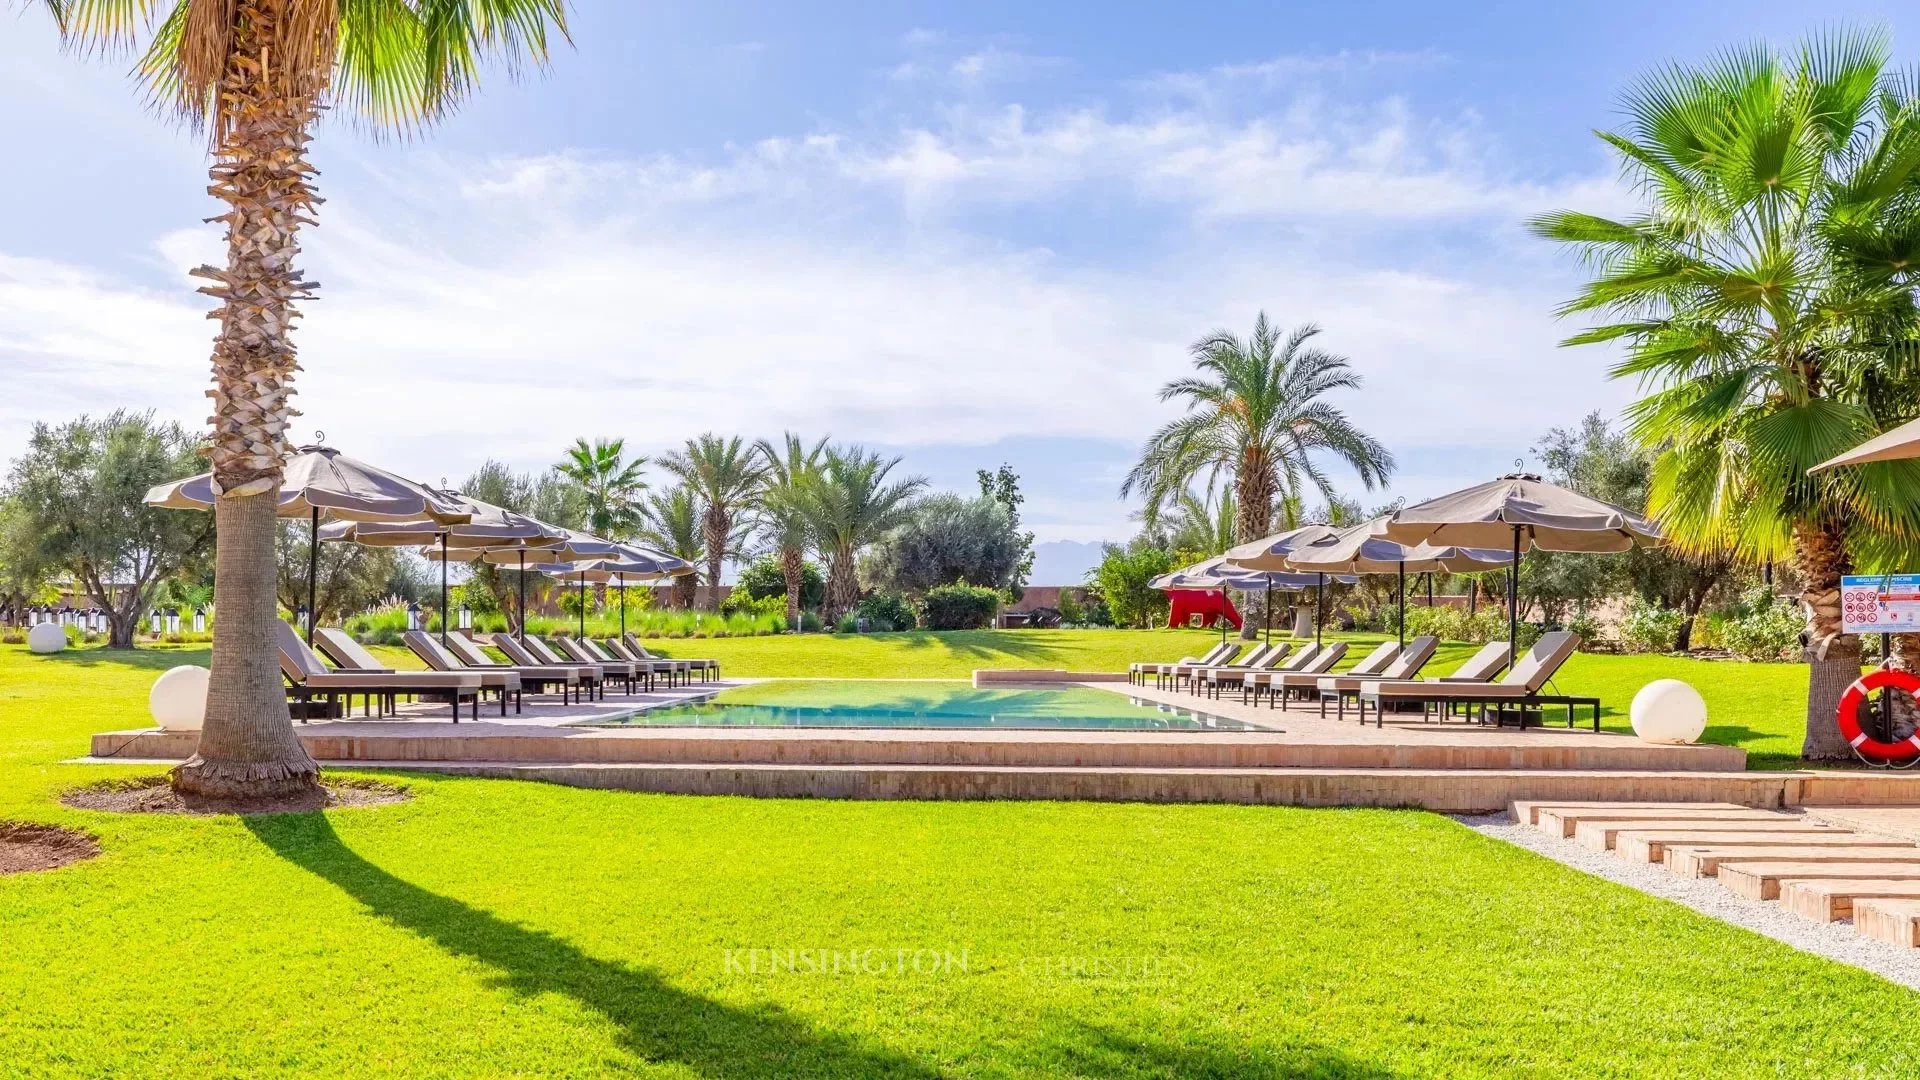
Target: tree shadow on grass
[(142, 659), (657, 1021)]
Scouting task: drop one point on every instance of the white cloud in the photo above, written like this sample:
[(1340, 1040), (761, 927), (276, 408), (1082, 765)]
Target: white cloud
[(837, 281)]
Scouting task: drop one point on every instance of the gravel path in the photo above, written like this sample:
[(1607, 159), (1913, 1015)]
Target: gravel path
[(1835, 941)]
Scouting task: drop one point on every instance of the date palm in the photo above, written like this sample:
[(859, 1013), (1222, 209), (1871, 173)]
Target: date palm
[(1257, 416), (611, 481), (670, 522), (850, 502), (256, 75), (791, 465), (724, 474), (1762, 294)]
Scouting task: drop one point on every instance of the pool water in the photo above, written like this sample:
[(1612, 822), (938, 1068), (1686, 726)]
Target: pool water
[(900, 704)]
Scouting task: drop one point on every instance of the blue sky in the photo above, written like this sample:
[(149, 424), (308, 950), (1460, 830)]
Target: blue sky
[(969, 233)]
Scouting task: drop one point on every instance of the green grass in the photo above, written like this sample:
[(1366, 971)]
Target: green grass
[(500, 928)]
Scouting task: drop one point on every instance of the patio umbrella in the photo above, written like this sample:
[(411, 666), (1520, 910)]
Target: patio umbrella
[(1272, 552), (576, 546), (1901, 442), (641, 564), (1519, 512), (1358, 551), (487, 525), (319, 482)]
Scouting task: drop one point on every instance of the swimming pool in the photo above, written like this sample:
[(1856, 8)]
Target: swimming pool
[(902, 704)]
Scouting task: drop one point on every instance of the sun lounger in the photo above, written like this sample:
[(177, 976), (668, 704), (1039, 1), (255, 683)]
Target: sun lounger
[(309, 677), (461, 653), (1279, 683), (673, 670), (708, 669), (1265, 658), (443, 658), (1479, 669), (1173, 674), (523, 655), (1518, 693), (350, 655), (1299, 661), (1137, 672), (624, 670), (1404, 666)]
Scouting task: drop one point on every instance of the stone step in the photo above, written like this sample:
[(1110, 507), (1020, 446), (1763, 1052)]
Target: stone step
[(1761, 880), (1602, 835), (1652, 846), (1446, 790), (1829, 900), (1564, 821), (1527, 811), (1894, 921), (1688, 861)]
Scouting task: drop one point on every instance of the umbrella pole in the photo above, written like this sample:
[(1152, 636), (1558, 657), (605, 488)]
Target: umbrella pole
[(523, 594), (583, 605), (1319, 606), (1403, 603), (443, 590), (1513, 601), (313, 569), (1269, 609), (623, 606)]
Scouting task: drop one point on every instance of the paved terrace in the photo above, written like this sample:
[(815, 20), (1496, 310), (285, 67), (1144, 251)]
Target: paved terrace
[(1300, 759)]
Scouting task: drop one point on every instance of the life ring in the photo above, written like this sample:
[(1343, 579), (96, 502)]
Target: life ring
[(1849, 718)]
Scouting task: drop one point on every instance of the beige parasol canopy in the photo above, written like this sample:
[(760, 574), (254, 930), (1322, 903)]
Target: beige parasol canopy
[(1270, 552), (1357, 550), (1519, 512), (319, 482), (1901, 442)]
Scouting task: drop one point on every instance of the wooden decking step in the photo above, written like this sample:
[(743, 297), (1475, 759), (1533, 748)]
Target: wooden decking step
[(1601, 835), (1829, 900), (1653, 845), (1761, 880), (1564, 822), (1688, 861), (1527, 811), (1894, 921)]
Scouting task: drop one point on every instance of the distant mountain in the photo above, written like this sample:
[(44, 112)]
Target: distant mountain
[(1063, 562)]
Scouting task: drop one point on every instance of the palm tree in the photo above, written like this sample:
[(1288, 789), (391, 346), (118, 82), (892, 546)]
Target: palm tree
[(849, 504), (1763, 294), (670, 522), (612, 483), (1201, 525), (256, 74), (790, 468), (1256, 414), (725, 475)]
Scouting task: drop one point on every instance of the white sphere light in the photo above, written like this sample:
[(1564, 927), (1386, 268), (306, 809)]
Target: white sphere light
[(1668, 711), (48, 637), (178, 699)]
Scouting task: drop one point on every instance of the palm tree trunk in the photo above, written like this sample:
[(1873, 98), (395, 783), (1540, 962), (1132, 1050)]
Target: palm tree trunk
[(793, 567), (247, 744), (1906, 711), (714, 524), (1833, 657), (843, 590), (1254, 487)]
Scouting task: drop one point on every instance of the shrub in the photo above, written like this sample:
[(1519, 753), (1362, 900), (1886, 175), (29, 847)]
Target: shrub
[(848, 624), (1586, 625), (1768, 629), (885, 611), (1072, 613), (13, 637), (740, 602), (380, 626), (1648, 628), (763, 577), (960, 607)]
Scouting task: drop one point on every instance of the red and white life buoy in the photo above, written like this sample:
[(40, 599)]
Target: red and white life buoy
[(1851, 701)]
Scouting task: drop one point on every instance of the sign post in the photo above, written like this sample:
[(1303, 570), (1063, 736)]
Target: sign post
[(1884, 604)]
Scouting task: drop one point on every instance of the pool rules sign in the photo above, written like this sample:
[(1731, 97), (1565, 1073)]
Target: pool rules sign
[(1880, 603)]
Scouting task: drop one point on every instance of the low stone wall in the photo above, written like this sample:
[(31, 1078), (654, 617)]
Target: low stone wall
[(985, 677)]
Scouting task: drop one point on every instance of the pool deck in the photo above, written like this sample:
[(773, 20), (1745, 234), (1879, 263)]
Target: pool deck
[(1302, 760)]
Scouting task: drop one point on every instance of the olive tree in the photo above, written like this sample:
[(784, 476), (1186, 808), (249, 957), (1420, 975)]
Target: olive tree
[(80, 490)]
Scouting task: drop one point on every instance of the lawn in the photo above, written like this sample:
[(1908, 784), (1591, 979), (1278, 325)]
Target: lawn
[(502, 928)]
